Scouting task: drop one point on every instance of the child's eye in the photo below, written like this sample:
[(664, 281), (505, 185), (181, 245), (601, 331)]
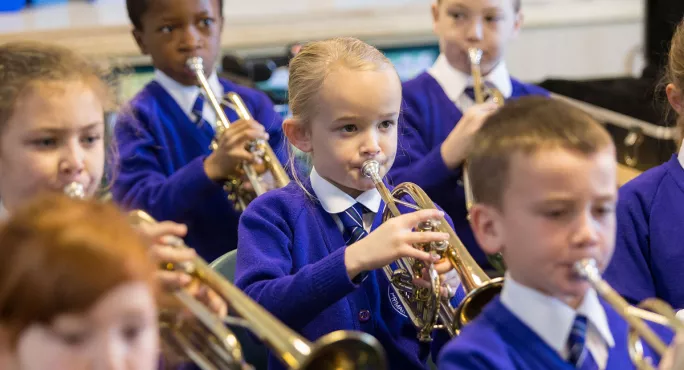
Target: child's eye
[(554, 213), (166, 29), (492, 18), (91, 139), (132, 332), (207, 22), (44, 143), (348, 128), (458, 15), (386, 124), (73, 339), (605, 210)]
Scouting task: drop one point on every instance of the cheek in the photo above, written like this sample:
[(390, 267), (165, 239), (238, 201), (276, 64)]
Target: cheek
[(28, 169), (35, 350)]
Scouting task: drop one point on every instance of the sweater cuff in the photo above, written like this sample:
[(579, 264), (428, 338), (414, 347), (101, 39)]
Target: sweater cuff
[(194, 183), (434, 171), (330, 275)]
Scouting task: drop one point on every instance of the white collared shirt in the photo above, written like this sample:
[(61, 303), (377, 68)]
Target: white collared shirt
[(334, 201), (185, 96), (455, 82), (552, 319), (681, 155)]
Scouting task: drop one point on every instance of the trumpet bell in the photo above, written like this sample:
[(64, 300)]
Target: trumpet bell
[(346, 351), (425, 306), (473, 304)]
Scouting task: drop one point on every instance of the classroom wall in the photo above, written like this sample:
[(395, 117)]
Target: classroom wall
[(561, 38)]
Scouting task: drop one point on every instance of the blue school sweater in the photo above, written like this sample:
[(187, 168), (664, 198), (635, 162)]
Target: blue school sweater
[(427, 119), (162, 165), (290, 260), (497, 339), (649, 250)]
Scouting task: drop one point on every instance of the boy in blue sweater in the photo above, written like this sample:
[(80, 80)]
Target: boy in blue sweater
[(167, 167), (440, 116), (544, 176)]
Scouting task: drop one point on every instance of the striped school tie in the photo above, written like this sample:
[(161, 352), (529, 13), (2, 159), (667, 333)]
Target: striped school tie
[(201, 123), (352, 221), (470, 91), (580, 357)]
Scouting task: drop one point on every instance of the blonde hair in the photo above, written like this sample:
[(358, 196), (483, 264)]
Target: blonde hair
[(675, 71), (310, 68)]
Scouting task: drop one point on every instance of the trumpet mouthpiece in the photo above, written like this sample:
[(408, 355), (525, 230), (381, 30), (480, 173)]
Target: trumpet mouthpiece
[(586, 268), (75, 190), (370, 168), (475, 55), (195, 64)]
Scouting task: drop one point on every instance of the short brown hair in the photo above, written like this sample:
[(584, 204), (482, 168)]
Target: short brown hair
[(60, 255), (23, 65), (527, 125)]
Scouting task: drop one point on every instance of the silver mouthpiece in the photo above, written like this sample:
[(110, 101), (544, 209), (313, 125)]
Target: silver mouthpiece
[(475, 55), (75, 190), (371, 168), (587, 269), (195, 64)]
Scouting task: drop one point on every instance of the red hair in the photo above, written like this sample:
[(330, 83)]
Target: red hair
[(60, 255)]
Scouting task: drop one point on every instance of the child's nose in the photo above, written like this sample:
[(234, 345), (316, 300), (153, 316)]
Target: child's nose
[(475, 30)]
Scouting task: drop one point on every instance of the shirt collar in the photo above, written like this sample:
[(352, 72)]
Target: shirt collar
[(681, 155), (551, 318), (186, 96), (335, 200), (454, 82)]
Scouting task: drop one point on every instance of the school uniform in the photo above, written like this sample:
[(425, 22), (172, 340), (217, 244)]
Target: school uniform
[(525, 329), (163, 139), (290, 260), (433, 103), (648, 256)]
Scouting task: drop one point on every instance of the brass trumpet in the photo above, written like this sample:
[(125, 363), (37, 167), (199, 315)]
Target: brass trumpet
[(427, 309), (340, 350), (212, 346), (270, 174), (481, 90), (653, 310), (207, 343)]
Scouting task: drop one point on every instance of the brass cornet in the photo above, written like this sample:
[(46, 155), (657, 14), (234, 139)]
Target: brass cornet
[(653, 310), (208, 343), (481, 91), (270, 174), (427, 309), (212, 346)]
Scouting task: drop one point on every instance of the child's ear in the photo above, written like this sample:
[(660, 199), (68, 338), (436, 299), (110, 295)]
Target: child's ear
[(519, 18), (435, 16), (674, 96), (485, 222), (298, 134), (138, 36)]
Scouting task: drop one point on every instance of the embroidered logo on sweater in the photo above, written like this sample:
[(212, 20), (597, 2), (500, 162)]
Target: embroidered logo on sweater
[(395, 302)]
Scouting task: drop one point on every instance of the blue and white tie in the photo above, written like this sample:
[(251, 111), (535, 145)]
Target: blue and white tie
[(352, 221), (201, 123), (579, 353)]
